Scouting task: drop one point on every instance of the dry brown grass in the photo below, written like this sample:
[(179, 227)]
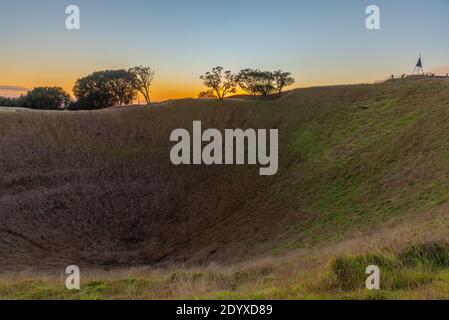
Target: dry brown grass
[(97, 189), (302, 274)]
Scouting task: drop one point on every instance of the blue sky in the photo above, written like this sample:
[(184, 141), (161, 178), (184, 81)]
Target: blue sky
[(320, 42)]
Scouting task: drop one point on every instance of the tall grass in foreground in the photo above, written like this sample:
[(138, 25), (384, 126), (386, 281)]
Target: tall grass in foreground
[(416, 272)]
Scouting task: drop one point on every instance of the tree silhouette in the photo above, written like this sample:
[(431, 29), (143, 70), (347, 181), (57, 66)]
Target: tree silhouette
[(104, 89), (247, 80), (264, 82), (142, 77), (282, 80), (256, 81), (222, 83), (8, 102), (45, 98)]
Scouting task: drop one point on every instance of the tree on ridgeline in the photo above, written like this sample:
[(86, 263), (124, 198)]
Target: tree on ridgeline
[(8, 102), (221, 83), (247, 80), (264, 83), (256, 81), (45, 98), (282, 80), (103, 89), (142, 77)]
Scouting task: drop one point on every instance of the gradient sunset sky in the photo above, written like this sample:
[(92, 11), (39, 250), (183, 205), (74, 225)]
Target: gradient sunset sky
[(321, 41)]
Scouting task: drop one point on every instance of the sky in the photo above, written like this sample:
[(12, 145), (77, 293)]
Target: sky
[(321, 42)]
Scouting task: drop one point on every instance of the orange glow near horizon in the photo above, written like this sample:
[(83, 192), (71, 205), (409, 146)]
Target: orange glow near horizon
[(160, 90), (165, 86)]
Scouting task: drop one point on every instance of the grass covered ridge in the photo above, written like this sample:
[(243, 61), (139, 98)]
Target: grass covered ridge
[(356, 163)]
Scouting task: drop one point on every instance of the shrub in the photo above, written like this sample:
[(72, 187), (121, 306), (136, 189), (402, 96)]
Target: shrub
[(8, 102), (105, 89), (427, 255), (45, 98), (349, 272)]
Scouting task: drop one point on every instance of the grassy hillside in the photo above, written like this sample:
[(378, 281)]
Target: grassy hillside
[(362, 168)]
